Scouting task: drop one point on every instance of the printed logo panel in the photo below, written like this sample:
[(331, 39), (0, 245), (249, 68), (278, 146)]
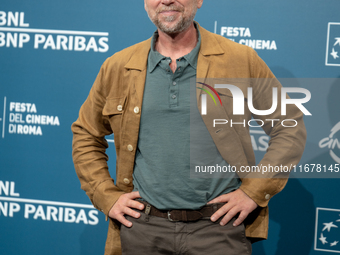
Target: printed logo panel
[(22, 118), (12, 205), (16, 32), (332, 143), (333, 44), (243, 35), (327, 230)]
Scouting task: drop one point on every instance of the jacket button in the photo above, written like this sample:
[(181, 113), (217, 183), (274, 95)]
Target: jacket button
[(136, 110), (126, 181), (120, 107), (130, 147), (267, 196)]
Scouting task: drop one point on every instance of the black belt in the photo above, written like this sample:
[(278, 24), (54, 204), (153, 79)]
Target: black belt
[(182, 215)]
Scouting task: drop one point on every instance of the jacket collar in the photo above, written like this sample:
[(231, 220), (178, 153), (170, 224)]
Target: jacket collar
[(209, 46), (139, 58)]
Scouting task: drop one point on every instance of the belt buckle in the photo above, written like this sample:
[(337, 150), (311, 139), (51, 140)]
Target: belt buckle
[(169, 217)]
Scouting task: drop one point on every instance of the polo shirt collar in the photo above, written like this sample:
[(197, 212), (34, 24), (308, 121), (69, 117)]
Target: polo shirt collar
[(155, 57)]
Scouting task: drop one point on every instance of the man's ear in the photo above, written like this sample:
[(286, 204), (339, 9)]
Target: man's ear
[(199, 4)]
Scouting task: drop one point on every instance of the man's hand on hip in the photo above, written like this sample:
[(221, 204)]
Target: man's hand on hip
[(123, 206), (236, 202)]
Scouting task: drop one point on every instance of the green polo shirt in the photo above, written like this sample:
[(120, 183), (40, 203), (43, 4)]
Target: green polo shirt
[(162, 163)]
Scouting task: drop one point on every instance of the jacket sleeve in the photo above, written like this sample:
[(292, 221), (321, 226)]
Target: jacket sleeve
[(286, 144), (89, 146)]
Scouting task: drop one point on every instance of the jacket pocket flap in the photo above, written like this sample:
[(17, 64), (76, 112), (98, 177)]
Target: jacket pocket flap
[(114, 106)]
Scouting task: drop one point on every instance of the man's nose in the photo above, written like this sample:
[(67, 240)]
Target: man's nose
[(167, 2)]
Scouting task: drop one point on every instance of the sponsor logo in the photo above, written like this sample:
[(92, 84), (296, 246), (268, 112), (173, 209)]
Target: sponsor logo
[(24, 119), (259, 140), (15, 32), (333, 44), (332, 143), (327, 230), (11, 205), (243, 35)]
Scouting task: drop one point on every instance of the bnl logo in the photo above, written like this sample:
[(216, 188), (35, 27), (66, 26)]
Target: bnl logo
[(333, 44), (327, 230)]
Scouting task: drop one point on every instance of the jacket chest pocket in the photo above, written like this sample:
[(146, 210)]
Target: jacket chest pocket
[(113, 110)]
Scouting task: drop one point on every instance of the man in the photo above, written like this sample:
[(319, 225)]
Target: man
[(142, 95)]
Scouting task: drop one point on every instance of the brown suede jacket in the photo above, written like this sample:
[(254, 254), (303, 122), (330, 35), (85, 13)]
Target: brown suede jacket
[(114, 106)]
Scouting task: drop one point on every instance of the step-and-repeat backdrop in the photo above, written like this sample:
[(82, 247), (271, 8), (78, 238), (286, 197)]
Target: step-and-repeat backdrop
[(50, 54)]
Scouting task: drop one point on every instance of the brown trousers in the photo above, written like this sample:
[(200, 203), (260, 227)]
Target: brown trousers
[(151, 235)]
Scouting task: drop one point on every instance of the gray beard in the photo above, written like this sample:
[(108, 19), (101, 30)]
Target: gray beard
[(181, 26)]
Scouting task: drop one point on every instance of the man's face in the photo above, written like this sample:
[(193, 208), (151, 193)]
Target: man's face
[(172, 16)]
